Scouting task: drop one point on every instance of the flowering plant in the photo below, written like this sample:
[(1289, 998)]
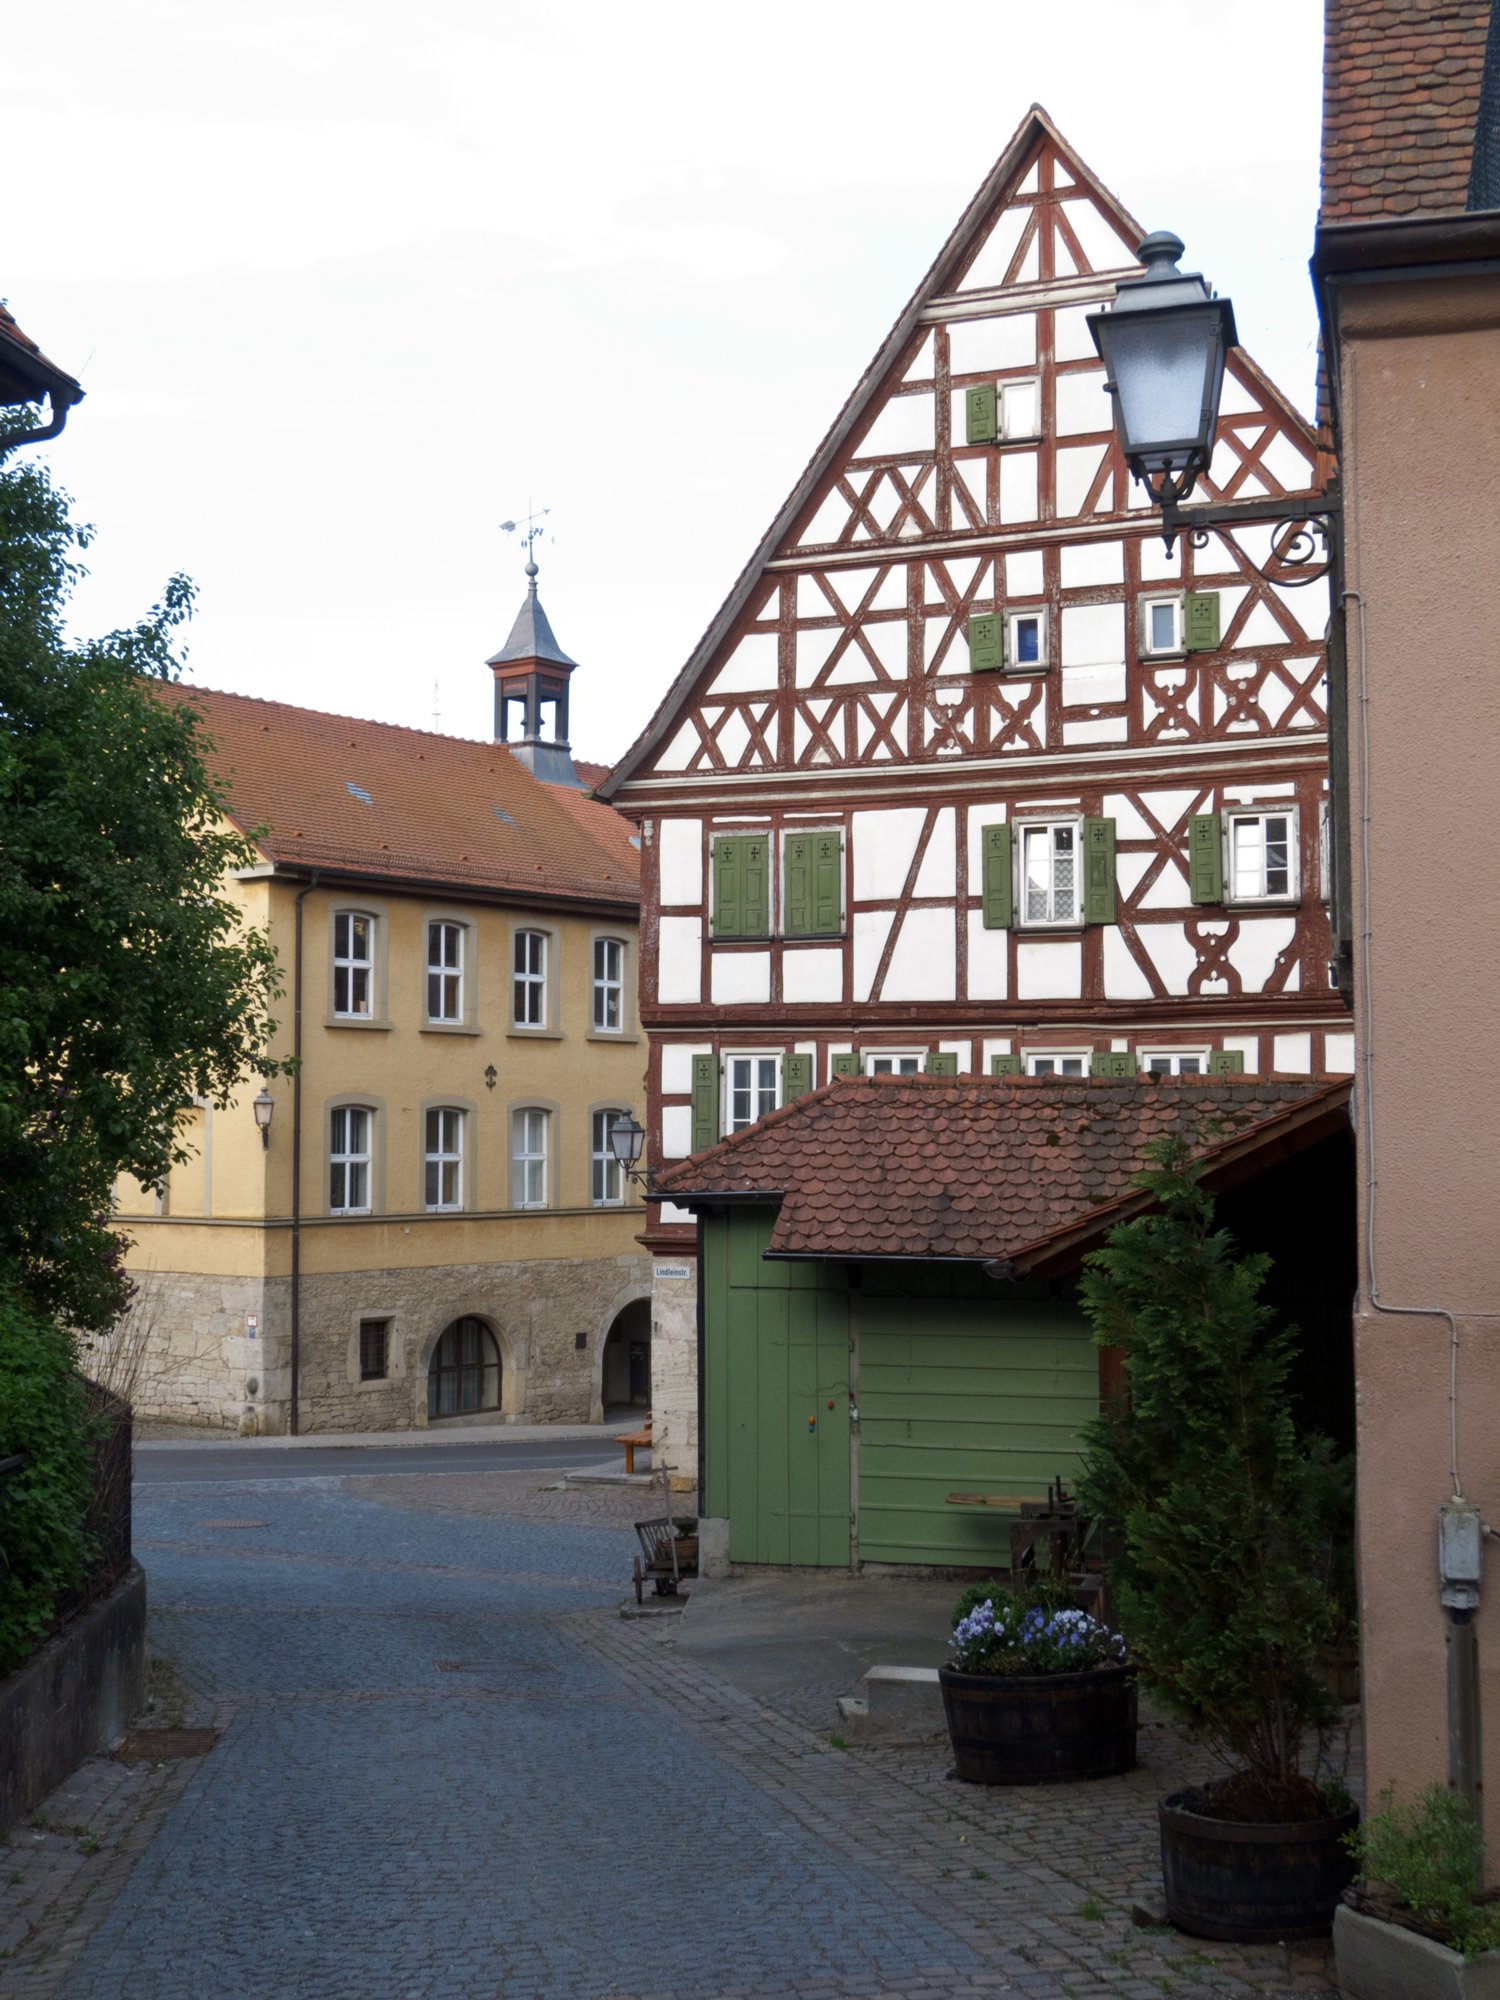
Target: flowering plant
[(1005, 1634)]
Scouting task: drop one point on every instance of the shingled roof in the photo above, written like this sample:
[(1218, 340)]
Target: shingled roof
[(1401, 81), (374, 800), (26, 375), (1024, 1170)]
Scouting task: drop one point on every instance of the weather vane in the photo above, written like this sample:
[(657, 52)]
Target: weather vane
[(531, 531)]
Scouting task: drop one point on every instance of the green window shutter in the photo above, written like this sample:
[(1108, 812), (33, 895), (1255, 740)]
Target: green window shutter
[(796, 918), (995, 847), (1112, 1062), (1005, 1065), (981, 413), (986, 643), (755, 913), (1206, 858), (940, 1062), (1099, 871), (1226, 1062), (1200, 621), (705, 1102), (796, 1077), (844, 1065), (727, 914), (827, 883)]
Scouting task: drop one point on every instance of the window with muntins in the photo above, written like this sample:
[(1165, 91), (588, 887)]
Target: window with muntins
[(1261, 857), (1049, 872), (609, 986), (529, 1158), (529, 1007), (1061, 1065), (349, 1160), (445, 972), (893, 1065), (1170, 1063), (752, 1089), (353, 964), (607, 1177), (374, 1349), (464, 1373), (443, 1158)]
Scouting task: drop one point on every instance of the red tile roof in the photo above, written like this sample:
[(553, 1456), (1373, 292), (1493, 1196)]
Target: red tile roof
[(1015, 1168), (29, 373), (373, 799), (1400, 93)]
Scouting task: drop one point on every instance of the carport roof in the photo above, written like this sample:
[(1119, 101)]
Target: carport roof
[(1024, 1170)]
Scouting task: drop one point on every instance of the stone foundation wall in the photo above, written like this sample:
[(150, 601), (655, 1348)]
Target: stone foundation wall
[(550, 1318), (674, 1368)]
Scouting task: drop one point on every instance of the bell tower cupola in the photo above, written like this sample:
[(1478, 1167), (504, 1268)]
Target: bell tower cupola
[(532, 673)]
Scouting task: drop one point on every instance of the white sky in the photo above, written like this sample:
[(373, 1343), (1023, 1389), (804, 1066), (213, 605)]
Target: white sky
[(348, 280)]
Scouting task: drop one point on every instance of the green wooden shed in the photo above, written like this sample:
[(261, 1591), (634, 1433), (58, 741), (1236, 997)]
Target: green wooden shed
[(888, 1306)]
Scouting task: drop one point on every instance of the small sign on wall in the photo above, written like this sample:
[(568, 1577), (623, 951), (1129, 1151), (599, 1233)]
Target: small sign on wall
[(252, 1325), (672, 1271)]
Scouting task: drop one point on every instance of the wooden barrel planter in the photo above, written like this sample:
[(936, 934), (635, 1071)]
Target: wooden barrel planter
[(1249, 1884), (1040, 1729)]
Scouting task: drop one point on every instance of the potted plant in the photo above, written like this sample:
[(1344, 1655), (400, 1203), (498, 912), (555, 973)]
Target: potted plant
[(1036, 1692), (1417, 1922), (1228, 1560)]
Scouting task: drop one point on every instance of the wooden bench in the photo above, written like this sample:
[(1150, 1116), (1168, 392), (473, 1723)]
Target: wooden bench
[(635, 1441)]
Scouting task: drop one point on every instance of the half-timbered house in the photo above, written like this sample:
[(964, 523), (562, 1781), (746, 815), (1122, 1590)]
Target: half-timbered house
[(971, 774)]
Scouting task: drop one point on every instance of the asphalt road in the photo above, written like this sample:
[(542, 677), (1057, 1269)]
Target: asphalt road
[(174, 1465)]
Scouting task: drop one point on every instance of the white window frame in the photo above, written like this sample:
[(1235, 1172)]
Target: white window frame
[(1073, 918), (1013, 661), (1174, 1058), (602, 985), (443, 1151), (351, 1159), (450, 978), (883, 1062), (1237, 890), (1033, 1059), (530, 1156), (1010, 425), (606, 1175), (753, 1088), (528, 980), (1178, 647), (350, 964)]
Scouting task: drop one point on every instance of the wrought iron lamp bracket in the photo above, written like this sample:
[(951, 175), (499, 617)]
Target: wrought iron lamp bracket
[(1302, 548)]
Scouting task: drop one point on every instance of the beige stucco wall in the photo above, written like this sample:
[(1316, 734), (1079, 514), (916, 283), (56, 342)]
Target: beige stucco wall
[(1420, 366)]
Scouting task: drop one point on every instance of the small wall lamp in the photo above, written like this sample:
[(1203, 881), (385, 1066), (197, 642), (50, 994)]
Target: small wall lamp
[(264, 1106), (625, 1141)]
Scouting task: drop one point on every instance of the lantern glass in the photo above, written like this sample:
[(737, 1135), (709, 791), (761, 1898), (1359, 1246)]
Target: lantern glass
[(625, 1141), (263, 1105)]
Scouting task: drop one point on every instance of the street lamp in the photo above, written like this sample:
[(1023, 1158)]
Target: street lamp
[(625, 1141), (264, 1106), (1163, 344)]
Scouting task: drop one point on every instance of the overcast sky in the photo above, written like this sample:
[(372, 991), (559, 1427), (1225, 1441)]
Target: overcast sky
[(348, 281)]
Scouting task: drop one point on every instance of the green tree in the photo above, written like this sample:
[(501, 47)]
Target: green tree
[(128, 983), (1231, 1529)]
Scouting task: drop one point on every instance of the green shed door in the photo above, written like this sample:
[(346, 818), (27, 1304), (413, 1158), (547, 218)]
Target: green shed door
[(776, 1356), (959, 1395)]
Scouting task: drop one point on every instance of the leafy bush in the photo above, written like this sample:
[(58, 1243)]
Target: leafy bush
[(45, 1546), (1230, 1528), (1429, 1856), (1004, 1633)]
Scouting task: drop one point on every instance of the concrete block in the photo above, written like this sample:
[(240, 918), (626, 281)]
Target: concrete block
[(899, 1705), (1380, 1961), (713, 1546)]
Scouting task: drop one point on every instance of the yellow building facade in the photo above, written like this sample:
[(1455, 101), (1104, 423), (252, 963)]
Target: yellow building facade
[(424, 1224)]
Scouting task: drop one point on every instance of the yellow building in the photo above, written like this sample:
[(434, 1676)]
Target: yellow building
[(429, 1227)]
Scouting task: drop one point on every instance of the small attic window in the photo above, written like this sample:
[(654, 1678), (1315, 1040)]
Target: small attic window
[(358, 792), (504, 818), (635, 840)]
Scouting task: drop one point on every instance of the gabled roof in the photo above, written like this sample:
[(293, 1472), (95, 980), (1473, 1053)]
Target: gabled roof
[(947, 268), (1026, 1170), (375, 800), (1401, 86), (26, 375)]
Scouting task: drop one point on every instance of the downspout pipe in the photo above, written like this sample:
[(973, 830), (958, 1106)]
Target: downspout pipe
[(296, 1300)]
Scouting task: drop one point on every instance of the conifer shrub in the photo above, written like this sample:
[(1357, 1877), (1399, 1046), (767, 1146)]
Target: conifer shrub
[(1229, 1530)]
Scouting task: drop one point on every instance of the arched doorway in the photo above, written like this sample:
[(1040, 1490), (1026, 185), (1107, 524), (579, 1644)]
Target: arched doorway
[(626, 1378), (464, 1373)]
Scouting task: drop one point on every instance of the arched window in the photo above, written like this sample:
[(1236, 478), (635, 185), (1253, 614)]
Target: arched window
[(464, 1373)]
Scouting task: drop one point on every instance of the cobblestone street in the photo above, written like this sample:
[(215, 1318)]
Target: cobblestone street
[(448, 1768)]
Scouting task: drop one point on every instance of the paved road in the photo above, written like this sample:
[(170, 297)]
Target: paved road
[(158, 1464)]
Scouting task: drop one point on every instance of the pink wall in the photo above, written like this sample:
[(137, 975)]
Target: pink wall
[(1420, 365)]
